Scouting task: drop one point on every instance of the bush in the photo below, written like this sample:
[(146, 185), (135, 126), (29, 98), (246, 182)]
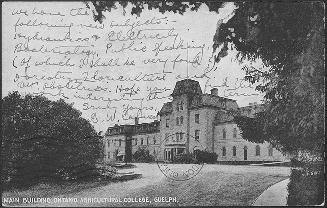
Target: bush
[(185, 158), (206, 157), (41, 139), (306, 185), (142, 155)]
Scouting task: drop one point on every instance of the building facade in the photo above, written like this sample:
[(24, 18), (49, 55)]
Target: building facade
[(193, 120)]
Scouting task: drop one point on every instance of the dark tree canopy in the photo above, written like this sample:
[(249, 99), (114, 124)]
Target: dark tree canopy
[(162, 6), (41, 137), (289, 38)]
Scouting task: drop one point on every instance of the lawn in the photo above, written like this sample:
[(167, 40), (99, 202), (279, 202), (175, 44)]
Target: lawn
[(209, 189), (215, 185)]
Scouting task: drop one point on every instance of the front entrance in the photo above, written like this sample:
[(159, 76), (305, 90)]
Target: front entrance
[(170, 153), (245, 153)]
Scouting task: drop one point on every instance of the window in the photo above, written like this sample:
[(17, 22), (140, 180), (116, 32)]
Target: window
[(224, 151), (108, 155), (234, 133), (181, 136), (257, 150), (179, 106), (270, 151), (154, 140), (197, 135), (197, 118), (120, 142), (179, 120), (177, 137), (142, 141), (135, 141), (234, 151), (224, 133), (147, 140), (167, 122), (108, 143)]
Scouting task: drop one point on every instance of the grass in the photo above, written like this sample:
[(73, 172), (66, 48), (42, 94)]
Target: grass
[(209, 189), (52, 189), (214, 186)]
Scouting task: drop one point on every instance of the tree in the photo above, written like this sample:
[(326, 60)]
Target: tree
[(42, 138)]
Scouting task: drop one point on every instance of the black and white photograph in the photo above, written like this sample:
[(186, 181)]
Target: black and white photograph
[(163, 103)]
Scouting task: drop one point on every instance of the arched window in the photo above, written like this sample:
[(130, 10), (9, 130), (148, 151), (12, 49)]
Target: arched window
[(270, 151), (224, 151), (257, 150), (224, 133), (234, 151)]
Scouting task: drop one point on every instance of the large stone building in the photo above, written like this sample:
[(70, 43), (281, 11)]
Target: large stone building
[(193, 120)]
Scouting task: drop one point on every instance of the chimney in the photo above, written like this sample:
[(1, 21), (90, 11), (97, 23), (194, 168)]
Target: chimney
[(214, 91), (136, 120)]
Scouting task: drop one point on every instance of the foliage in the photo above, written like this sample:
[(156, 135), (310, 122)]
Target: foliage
[(162, 6), (306, 185), (206, 157), (42, 138), (142, 155), (252, 128), (287, 37), (186, 158)]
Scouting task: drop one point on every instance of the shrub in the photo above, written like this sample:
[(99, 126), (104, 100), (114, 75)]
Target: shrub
[(142, 155), (41, 139), (306, 186), (184, 158), (206, 157)]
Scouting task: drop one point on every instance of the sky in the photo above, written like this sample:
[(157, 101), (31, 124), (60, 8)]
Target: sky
[(125, 67)]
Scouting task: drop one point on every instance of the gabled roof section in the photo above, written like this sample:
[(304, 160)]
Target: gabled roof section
[(167, 108), (187, 86), (208, 100)]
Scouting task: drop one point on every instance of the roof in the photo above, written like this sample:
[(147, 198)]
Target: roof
[(134, 129), (208, 100), (250, 110), (166, 108), (187, 86), (226, 116), (223, 117)]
